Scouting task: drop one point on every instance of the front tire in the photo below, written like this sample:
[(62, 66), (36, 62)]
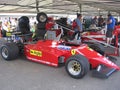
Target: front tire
[(77, 66), (97, 47), (9, 51)]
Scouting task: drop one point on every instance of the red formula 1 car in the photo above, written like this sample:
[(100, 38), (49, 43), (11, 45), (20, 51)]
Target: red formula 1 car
[(78, 59)]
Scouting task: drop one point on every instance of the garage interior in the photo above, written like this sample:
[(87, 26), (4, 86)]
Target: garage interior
[(22, 74)]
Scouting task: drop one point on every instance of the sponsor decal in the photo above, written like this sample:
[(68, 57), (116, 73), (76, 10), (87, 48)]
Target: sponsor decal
[(63, 47), (36, 53)]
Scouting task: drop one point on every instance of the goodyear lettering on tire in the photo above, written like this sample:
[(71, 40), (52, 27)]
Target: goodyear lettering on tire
[(36, 53)]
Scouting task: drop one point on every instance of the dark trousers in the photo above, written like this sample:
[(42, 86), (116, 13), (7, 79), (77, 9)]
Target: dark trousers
[(75, 33)]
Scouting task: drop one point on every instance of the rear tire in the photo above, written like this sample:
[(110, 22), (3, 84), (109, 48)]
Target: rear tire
[(77, 66), (9, 51)]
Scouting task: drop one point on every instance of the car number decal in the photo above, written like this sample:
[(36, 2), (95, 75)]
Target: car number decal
[(35, 53), (73, 52)]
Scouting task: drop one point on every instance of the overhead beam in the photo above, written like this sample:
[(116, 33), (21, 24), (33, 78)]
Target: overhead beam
[(5, 4)]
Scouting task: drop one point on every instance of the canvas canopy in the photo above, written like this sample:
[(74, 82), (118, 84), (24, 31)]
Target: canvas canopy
[(87, 7)]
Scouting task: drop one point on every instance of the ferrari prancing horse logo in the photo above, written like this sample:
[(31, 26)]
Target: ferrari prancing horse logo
[(73, 52)]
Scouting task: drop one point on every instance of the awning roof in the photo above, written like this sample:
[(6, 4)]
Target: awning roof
[(60, 6)]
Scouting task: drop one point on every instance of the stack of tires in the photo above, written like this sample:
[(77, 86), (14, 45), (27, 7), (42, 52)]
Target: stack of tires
[(23, 25), (24, 28), (40, 31)]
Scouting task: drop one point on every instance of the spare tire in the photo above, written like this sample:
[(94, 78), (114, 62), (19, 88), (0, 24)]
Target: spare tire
[(41, 26), (23, 25), (42, 17)]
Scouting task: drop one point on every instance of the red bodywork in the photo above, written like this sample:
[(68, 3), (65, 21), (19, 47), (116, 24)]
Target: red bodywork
[(95, 35), (49, 52), (116, 33)]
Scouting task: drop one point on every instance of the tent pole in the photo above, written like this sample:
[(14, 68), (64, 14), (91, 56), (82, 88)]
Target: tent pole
[(80, 7), (37, 4)]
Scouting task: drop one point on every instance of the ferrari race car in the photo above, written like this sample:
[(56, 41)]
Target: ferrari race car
[(77, 58)]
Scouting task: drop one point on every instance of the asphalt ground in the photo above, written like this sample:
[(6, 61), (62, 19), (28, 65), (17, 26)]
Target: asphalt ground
[(22, 74)]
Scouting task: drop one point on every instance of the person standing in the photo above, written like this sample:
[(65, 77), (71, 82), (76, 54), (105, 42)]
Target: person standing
[(78, 29), (110, 28), (100, 21), (94, 21)]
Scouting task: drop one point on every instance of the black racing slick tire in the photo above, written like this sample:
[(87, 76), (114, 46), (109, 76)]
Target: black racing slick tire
[(42, 17), (77, 66), (9, 51), (111, 58), (97, 47)]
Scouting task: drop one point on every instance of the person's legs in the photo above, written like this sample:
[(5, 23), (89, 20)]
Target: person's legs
[(78, 35), (109, 36), (74, 34), (108, 41)]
